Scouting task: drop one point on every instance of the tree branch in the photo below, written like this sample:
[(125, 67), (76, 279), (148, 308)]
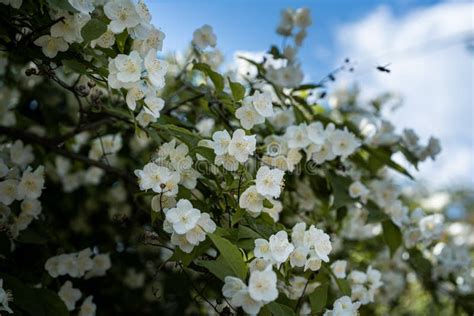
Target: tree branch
[(52, 146)]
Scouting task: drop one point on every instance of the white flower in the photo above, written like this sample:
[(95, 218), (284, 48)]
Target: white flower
[(397, 211), (259, 264), (106, 40), (5, 297), (153, 41), (232, 285), (129, 67), (269, 181), (122, 14), (182, 242), (374, 278), (84, 261), (303, 18), (316, 133), (183, 217), (251, 200), (249, 305), (204, 36), (358, 190), (280, 247), (101, 263), (8, 191), (156, 69), (275, 211), (16, 4), (227, 161), (262, 249), (262, 285), (135, 92), (431, 226), (242, 146), (248, 116), (83, 6), (221, 142), (51, 45), (153, 105), (204, 225), (262, 102), (313, 263), (343, 306), (152, 177), (339, 268), (105, 145), (343, 143), (357, 277), (69, 295), (319, 241), (297, 136), (31, 207), (297, 234), (69, 28), (189, 178), (88, 308), (298, 257), (324, 153), (205, 126), (31, 184)]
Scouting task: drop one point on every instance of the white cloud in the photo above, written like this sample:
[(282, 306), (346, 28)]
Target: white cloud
[(431, 68)]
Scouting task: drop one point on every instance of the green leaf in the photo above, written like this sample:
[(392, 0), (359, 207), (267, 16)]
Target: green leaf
[(121, 40), (206, 152), (376, 215), (231, 255), (31, 237), (75, 66), (279, 309), (238, 90), (93, 29), (340, 187), (318, 298), (307, 87), (62, 5), (53, 305), (217, 267), (391, 235), (183, 135), (216, 78), (384, 156), (344, 286), (187, 258), (38, 302)]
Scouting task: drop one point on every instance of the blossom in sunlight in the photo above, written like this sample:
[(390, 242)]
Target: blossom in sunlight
[(51, 46), (122, 14), (269, 181), (69, 295), (204, 37)]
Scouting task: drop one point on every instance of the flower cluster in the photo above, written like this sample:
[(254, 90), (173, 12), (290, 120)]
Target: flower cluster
[(171, 166), (232, 151), (255, 109), (19, 182), (187, 225), (70, 296), (364, 285), (5, 297), (80, 264), (261, 290)]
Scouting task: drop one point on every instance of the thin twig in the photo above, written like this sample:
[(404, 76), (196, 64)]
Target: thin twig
[(52, 146)]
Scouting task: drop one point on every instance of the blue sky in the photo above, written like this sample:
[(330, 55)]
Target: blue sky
[(435, 84), (250, 24)]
